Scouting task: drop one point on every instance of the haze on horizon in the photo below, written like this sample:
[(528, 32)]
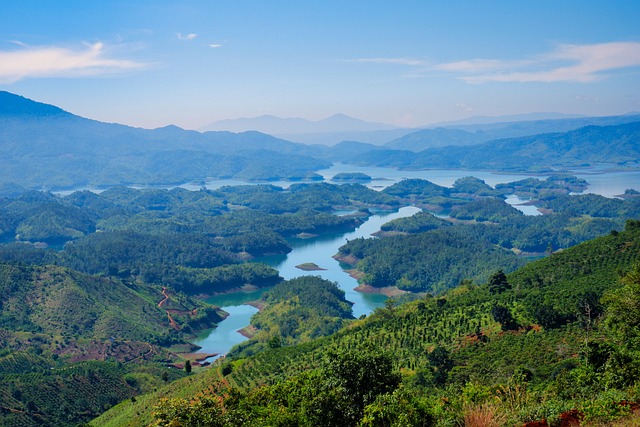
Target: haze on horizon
[(153, 63)]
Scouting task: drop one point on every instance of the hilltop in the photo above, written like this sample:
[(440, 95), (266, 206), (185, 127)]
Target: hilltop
[(44, 146)]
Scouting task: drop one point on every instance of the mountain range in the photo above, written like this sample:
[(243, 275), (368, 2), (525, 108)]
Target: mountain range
[(292, 126), (328, 131), (485, 130), (46, 147)]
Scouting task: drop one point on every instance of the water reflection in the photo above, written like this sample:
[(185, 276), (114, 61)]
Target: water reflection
[(318, 250)]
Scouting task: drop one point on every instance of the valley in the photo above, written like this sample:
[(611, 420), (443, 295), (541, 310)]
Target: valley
[(286, 268)]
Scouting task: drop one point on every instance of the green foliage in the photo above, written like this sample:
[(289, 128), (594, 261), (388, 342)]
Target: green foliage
[(212, 280), (502, 315), (457, 360), (416, 189), (401, 408), (498, 282), (418, 223), (298, 310), (205, 412), (45, 393), (486, 209), (336, 394), (351, 176), (553, 185), (431, 261), (57, 301), (473, 185)]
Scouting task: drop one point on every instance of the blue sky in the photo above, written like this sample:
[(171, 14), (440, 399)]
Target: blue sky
[(411, 63)]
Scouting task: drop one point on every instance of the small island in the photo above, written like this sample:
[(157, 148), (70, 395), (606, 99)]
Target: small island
[(309, 266), (351, 177)]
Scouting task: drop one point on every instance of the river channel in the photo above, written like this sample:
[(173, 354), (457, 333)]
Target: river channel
[(317, 250), (320, 250)]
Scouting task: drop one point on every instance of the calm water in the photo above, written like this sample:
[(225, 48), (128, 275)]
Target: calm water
[(318, 250), (321, 249), (517, 203), (600, 181), (221, 339)]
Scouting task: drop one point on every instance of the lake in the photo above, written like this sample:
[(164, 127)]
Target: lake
[(320, 250), (601, 181)]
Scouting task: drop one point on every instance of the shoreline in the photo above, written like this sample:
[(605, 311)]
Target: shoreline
[(248, 331), (388, 291), (310, 266)]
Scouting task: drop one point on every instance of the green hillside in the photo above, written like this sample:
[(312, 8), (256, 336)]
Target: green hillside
[(73, 345), (558, 335), (589, 145)]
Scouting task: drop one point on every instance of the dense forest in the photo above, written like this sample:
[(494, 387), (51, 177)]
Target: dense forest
[(426, 254), (553, 342), (100, 293)]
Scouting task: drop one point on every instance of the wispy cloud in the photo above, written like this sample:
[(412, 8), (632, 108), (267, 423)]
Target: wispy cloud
[(398, 61), (189, 36), (51, 61), (464, 107), (215, 45), (566, 63)]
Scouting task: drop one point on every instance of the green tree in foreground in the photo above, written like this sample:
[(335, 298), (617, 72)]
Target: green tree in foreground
[(338, 394), (498, 282), (205, 412)]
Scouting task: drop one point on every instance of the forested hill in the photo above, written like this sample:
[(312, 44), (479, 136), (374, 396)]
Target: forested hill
[(72, 345), (44, 146), (618, 145), (554, 340), (471, 134)]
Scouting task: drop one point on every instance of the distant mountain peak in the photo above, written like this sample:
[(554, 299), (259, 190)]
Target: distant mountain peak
[(291, 126), (12, 105)]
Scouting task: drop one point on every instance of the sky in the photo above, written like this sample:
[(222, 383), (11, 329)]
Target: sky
[(403, 62)]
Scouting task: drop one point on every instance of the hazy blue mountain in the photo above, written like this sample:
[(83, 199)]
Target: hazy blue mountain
[(438, 137), (477, 133), (44, 146), (291, 126), (329, 131), (375, 137), (526, 117), (17, 106), (618, 145), (344, 151)]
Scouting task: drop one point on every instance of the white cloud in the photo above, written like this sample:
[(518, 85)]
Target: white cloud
[(215, 45), (51, 61), (399, 61), (474, 65), (464, 107), (567, 63), (189, 36)]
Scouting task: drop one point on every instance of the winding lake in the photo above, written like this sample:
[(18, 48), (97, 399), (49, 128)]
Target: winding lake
[(317, 250), (320, 250)]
